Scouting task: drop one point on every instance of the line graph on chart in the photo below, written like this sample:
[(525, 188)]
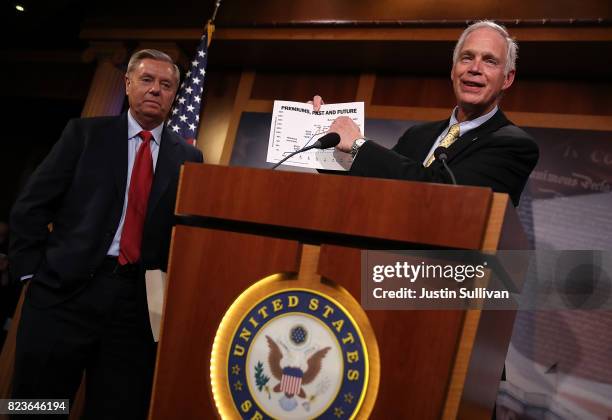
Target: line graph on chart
[(294, 126)]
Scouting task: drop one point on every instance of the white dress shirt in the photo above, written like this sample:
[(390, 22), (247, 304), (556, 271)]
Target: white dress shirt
[(133, 143), (464, 127)]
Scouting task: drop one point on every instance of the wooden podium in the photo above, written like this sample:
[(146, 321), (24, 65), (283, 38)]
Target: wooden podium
[(238, 225)]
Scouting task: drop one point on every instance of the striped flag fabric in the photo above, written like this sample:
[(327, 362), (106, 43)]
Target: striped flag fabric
[(291, 381)]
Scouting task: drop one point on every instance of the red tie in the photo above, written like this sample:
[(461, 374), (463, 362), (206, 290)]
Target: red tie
[(138, 196)]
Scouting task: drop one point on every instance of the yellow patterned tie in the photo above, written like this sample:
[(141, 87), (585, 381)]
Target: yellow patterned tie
[(449, 138)]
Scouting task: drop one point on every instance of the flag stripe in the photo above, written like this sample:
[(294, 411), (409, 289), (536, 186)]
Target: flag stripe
[(291, 384)]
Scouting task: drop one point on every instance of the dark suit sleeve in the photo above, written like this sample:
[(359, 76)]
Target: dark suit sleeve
[(39, 200), (374, 160), (198, 156), (503, 165), (502, 161)]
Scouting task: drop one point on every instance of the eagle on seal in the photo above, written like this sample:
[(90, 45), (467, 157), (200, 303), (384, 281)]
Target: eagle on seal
[(292, 376)]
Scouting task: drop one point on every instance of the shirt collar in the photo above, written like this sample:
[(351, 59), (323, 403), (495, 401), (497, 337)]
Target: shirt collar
[(466, 126), (134, 128)]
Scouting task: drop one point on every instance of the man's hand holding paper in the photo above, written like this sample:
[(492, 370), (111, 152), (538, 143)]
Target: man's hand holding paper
[(296, 125)]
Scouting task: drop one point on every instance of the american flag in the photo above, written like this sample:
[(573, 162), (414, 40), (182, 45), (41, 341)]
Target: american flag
[(291, 381), (185, 116)]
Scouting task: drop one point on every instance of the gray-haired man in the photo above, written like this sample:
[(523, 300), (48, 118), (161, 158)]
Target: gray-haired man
[(108, 186), (483, 147)]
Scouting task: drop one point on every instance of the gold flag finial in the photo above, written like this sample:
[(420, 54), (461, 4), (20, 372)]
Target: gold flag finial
[(210, 25)]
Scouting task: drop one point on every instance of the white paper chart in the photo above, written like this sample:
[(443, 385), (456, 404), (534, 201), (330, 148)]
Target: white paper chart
[(295, 125)]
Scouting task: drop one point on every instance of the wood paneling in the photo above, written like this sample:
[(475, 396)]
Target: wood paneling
[(418, 349), (560, 96), (408, 337), (215, 120), (146, 14), (303, 86), (522, 119), (408, 204), (404, 90), (107, 91), (244, 11), (194, 310), (241, 99), (526, 95), (392, 31), (570, 121), (564, 51)]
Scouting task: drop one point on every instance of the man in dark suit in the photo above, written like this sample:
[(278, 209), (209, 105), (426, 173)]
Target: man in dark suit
[(483, 147), (108, 188)]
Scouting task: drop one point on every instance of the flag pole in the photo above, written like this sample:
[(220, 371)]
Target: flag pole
[(185, 115), (210, 25)]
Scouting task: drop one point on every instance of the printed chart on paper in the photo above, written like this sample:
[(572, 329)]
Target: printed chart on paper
[(295, 125)]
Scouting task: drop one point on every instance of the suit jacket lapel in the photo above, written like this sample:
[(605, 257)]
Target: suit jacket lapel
[(494, 123), (429, 136), (165, 169), (117, 135)]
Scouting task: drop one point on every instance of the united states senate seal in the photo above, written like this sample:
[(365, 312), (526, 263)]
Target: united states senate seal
[(295, 353)]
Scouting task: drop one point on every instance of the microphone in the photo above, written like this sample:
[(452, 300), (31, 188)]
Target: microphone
[(440, 154), (325, 142)]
